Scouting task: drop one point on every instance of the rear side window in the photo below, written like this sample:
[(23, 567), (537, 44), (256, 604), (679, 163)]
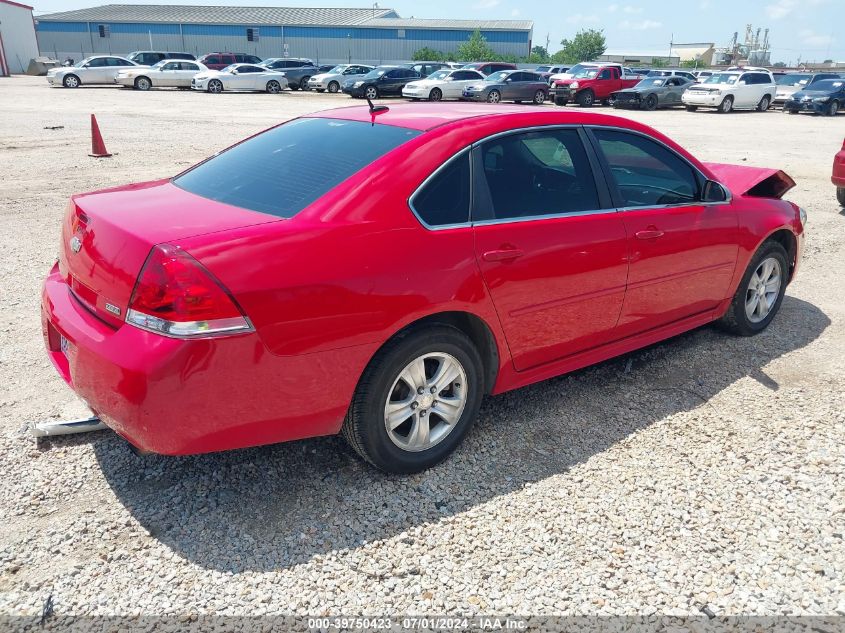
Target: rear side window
[(212, 59), (444, 198), (538, 173), (645, 172), (283, 170)]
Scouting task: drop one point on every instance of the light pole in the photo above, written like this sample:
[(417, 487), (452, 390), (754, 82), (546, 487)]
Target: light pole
[(349, 45)]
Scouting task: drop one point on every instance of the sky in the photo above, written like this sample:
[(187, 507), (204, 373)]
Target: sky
[(805, 30)]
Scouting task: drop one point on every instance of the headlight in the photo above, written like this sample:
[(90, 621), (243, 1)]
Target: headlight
[(821, 99), (358, 84), (574, 85), (803, 215)]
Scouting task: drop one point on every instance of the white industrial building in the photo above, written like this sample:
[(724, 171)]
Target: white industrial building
[(18, 44)]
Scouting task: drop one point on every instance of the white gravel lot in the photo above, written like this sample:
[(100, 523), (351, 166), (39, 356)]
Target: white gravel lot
[(707, 471)]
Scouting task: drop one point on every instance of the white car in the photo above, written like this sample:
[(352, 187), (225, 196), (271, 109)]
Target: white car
[(333, 80), (442, 84), (168, 73), (99, 69), (725, 91), (240, 77)]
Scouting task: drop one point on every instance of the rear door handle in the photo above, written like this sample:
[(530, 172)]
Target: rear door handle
[(649, 234), (502, 255)]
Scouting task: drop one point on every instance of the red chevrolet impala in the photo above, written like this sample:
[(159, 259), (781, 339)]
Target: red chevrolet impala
[(376, 273)]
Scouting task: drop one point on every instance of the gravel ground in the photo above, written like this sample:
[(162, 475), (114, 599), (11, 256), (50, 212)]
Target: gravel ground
[(703, 472)]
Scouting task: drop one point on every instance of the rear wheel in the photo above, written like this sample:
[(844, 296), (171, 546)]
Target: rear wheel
[(274, 87), (215, 86), (832, 108), (416, 400), (303, 83), (334, 87), (71, 81), (727, 105), (371, 92), (585, 98), (143, 83), (760, 292), (651, 102), (764, 104), (494, 96), (540, 97), (435, 95)]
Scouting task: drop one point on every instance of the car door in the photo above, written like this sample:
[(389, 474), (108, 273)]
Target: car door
[(552, 252), (166, 75), (673, 91), (95, 71), (682, 251), (510, 86)]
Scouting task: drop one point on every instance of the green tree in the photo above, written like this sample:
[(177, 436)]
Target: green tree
[(690, 63), (476, 48), (539, 53), (534, 58), (427, 54), (659, 62), (584, 47), (779, 65)]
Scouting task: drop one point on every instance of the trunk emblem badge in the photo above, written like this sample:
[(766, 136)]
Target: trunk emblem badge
[(113, 308), (75, 244)]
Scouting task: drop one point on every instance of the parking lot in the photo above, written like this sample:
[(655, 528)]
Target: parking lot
[(703, 474)]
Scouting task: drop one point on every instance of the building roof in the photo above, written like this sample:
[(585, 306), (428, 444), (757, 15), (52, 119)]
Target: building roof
[(220, 15), (484, 25), (16, 4)]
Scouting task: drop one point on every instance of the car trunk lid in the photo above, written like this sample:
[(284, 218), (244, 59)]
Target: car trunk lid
[(107, 236), (760, 182)]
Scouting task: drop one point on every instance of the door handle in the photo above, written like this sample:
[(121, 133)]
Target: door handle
[(649, 234), (502, 255)]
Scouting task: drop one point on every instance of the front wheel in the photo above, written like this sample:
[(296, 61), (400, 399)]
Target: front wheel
[(143, 83), (435, 95), (727, 105), (540, 97), (691, 108), (585, 99), (832, 108), (416, 400), (71, 81), (371, 92), (651, 102), (494, 96), (760, 293), (215, 86), (334, 87)]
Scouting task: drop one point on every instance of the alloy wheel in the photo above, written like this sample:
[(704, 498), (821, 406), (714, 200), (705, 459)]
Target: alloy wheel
[(763, 290), (494, 96), (143, 83), (333, 87), (539, 97), (371, 93), (215, 86), (273, 87), (71, 81), (425, 402), (435, 95)]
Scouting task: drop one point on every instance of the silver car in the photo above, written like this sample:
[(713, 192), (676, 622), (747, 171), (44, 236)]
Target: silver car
[(332, 80), (99, 69)]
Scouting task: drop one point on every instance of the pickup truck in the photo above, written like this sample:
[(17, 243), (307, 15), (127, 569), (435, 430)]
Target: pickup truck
[(591, 84)]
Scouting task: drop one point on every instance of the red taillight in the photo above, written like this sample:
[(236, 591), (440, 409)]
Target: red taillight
[(176, 295)]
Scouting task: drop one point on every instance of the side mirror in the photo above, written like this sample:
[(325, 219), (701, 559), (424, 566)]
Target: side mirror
[(714, 192)]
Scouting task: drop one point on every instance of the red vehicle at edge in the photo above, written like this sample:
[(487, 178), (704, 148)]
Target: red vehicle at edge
[(838, 176), (591, 84), (224, 309)]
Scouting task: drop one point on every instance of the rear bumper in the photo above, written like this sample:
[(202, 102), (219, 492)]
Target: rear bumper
[(838, 176), (178, 397)]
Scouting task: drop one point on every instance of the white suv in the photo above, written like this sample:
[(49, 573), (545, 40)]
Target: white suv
[(745, 89)]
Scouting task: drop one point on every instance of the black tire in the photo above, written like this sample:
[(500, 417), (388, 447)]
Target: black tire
[(735, 320), (539, 97), (303, 83), (71, 81), (727, 105), (691, 108), (334, 87), (273, 87), (651, 102), (371, 92), (840, 195), (764, 104), (215, 86), (143, 83), (560, 101), (494, 96), (832, 108), (436, 94), (792, 111), (364, 426), (585, 98)]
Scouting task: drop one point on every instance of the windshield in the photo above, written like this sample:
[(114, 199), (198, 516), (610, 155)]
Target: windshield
[(306, 159), (585, 73), (499, 76), (650, 83), (722, 78), (439, 74), (794, 80), (543, 69), (375, 74), (229, 68), (827, 85), (85, 61), (338, 70)]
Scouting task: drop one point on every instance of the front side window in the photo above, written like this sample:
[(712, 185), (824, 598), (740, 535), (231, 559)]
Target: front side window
[(286, 168), (98, 62), (444, 199), (645, 172), (170, 66), (538, 173)]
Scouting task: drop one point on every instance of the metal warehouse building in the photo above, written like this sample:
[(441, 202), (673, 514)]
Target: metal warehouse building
[(329, 35), (17, 37)]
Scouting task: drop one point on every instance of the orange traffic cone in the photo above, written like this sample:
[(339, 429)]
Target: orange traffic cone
[(98, 148)]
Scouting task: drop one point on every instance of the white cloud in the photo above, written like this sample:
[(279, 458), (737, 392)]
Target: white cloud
[(780, 9), (580, 18), (515, 13), (486, 4), (704, 5), (815, 40), (631, 10), (639, 25), (613, 8)]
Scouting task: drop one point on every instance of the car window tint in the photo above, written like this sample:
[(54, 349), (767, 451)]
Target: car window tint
[(538, 173), (444, 199), (645, 172), (214, 59), (97, 63), (283, 170), (605, 74)]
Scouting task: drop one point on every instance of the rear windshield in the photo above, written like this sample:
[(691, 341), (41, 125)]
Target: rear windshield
[(286, 168)]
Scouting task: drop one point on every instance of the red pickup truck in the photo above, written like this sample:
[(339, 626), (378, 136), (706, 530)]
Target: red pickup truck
[(590, 84)]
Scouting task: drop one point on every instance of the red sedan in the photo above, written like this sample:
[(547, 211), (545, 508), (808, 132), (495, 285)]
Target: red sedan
[(376, 273)]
